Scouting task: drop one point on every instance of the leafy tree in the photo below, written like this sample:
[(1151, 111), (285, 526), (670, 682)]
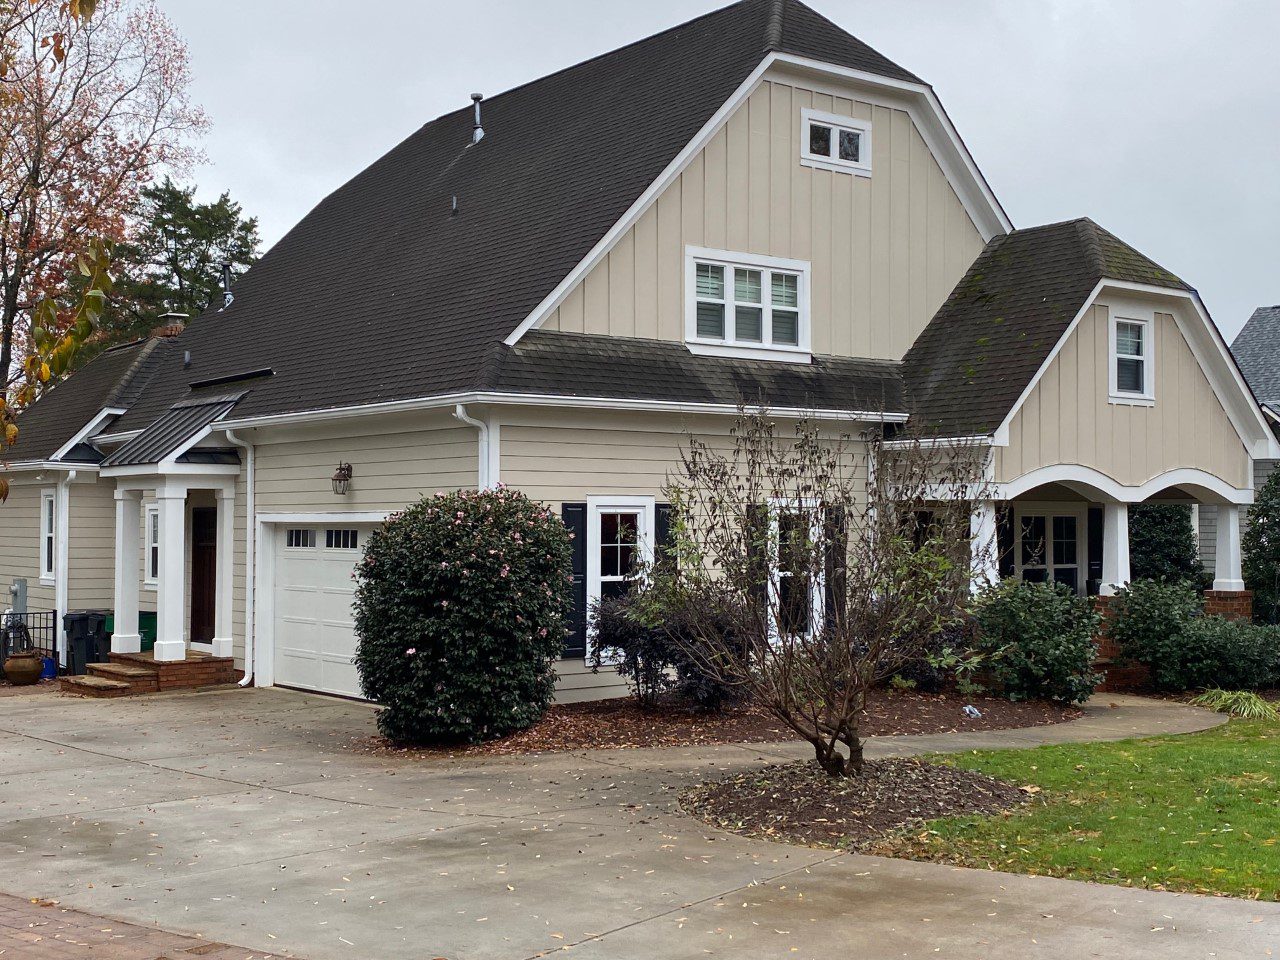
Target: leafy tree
[(173, 262), (1162, 543), (1260, 546)]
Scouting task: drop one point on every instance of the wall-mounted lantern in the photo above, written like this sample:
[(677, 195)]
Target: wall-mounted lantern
[(342, 479)]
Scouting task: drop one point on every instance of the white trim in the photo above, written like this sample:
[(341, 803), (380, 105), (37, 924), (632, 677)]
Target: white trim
[(321, 519), (445, 401), (1096, 481), (837, 123), (646, 507), (185, 470), (1138, 315), (1078, 512), (117, 438), (87, 430), (729, 345), (930, 119), (817, 589), (151, 512), (48, 564), (37, 465), (62, 559)]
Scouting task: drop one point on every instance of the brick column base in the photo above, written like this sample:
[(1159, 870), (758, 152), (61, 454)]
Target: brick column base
[(1116, 676), (1232, 604)]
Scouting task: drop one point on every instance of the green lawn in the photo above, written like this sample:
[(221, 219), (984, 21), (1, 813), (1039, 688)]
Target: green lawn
[(1198, 813)]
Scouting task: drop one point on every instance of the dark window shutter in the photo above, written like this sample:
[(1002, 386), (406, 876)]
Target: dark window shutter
[(757, 553), (1005, 541), (574, 516), (836, 562), (663, 537), (1095, 529)]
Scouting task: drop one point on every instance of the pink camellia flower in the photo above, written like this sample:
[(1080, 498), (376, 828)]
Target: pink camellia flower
[(505, 570), (411, 651), (542, 632)]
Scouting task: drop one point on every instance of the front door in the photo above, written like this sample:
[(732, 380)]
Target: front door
[(204, 566), (1051, 546)]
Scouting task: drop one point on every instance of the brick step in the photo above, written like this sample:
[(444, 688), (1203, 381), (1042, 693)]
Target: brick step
[(198, 670), (139, 679), (90, 686)]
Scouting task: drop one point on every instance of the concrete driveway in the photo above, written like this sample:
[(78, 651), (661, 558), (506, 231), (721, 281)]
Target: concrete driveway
[(241, 816)]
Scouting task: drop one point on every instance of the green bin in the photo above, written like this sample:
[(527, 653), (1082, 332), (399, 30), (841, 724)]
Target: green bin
[(146, 628)]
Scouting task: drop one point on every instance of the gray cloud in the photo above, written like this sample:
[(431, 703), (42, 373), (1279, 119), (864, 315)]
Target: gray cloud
[(1158, 119)]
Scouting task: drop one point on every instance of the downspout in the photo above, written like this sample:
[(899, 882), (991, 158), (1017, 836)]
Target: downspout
[(250, 528), (62, 561), (482, 468)]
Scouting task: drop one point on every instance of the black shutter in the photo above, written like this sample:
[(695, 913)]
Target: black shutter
[(836, 562), (1093, 582), (757, 554), (574, 516), (663, 537), (1005, 541)]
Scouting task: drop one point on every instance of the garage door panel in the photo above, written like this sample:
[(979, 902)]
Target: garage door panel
[(314, 626)]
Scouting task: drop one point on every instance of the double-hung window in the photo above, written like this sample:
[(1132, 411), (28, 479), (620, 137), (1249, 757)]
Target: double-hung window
[(48, 534), (1132, 373), (829, 141), (152, 555), (746, 305)]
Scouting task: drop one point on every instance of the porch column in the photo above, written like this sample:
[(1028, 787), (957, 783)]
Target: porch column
[(1115, 548), (984, 552), (1226, 574), (171, 590), (225, 576), (126, 638)]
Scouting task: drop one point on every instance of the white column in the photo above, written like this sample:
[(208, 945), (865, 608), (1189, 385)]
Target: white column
[(126, 638), (984, 549), (225, 553), (171, 590), (1226, 574), (1115, 548)]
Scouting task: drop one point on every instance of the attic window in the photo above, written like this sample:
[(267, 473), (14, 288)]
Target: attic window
[(746, 305), (832, 142), (1132, 360)]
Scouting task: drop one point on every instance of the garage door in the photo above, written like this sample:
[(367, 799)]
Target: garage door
[(314, 634)]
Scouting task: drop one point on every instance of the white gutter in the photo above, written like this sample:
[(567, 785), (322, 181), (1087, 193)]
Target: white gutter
[(547, 400), (249, 582), (61, 561), (482, 448)]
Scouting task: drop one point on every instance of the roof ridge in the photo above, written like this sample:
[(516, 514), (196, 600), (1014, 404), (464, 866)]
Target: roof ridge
[(1087, 230), (773, 25), (122, 384)]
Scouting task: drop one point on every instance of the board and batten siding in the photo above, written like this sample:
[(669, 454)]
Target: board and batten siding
[(1068, 419), (886, 250)]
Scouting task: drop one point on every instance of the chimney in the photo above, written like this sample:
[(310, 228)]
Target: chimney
[(477, 131), (168, 325), (226, 286)]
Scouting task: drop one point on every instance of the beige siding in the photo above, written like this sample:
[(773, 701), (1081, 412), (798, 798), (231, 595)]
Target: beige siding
[(20, 545), (885, 250), (91, 546), (1067, 418)]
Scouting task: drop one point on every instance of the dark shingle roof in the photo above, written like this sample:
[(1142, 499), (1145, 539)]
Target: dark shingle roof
[(587, 365), (380, 294), (170, 431), (114, 378), (1257, 351), (969, 366)]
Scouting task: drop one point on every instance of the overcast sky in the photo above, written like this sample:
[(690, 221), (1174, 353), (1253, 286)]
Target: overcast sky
[(1158, 119)]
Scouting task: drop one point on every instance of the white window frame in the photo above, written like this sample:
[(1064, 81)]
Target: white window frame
[(315, 539), (150, 542), (1049, 510), (832, 161), (1145, 319), (765, 349), (646, 507), (817, 597), (48, 542)]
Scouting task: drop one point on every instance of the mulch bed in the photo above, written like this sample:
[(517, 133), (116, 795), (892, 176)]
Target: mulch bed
[(622, 723), (798, 803)]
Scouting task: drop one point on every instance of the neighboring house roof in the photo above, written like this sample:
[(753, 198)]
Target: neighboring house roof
[(1257, 351), (114, 378), (381, 294), (968, 368), (169, 432), (606, 367)]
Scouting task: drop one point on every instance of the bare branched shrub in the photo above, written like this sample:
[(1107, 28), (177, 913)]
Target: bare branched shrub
[(834, 560)]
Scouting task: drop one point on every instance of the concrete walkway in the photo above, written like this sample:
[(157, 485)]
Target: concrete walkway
[(243, 817)]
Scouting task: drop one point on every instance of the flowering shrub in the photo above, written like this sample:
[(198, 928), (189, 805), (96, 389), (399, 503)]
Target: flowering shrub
[(462, 602)]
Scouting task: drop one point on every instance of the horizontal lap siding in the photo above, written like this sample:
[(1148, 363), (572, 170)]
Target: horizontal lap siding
[(91, 546), (885, 250), (20, 546), (1067, 418)]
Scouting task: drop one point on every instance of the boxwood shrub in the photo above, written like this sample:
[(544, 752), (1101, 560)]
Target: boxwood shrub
[(461, 607), (1039, 640)]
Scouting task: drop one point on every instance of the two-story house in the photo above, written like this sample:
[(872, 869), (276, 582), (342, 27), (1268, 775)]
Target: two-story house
[(551, 287)]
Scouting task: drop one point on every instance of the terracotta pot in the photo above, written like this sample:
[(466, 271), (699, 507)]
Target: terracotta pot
[(23, 669)]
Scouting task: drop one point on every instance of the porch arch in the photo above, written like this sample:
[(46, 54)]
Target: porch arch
[(1095, 484)]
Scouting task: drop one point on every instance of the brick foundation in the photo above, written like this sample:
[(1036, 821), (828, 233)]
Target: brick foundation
[(1117, 675), (1232, 604)]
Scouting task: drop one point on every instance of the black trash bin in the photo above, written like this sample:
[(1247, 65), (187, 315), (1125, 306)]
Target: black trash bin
[(87, 640)]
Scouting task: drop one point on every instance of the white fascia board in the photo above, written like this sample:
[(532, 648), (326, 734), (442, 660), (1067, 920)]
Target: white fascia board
[(935, 443), (364, 516), (546, 400), (124, 437), (171, 459), (930, 119), (87, 430), (26, 465), (161, 471)]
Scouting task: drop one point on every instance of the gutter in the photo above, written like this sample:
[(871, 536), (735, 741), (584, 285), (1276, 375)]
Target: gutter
[(62, 560), (249, 556), (482, 448)]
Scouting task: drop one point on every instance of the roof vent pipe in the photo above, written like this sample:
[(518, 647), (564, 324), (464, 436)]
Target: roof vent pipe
[(477, 131), (226, 286)]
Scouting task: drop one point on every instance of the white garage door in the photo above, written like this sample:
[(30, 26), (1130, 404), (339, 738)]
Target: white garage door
[(314, 631)]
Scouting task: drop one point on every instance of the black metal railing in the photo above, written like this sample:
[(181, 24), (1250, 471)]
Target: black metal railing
[(20, 632)]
